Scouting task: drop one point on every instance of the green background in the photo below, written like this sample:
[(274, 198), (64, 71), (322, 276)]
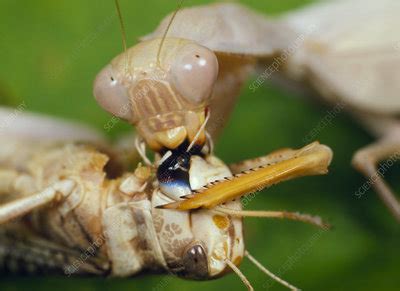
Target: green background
[(50, 52)]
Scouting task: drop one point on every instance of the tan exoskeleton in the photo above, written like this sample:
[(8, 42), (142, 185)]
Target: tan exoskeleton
[(347, 50), (69, 203), (355, 62)]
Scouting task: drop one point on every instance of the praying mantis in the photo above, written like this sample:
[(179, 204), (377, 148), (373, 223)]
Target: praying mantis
[(353, 64), (209, 78), (69, 192)]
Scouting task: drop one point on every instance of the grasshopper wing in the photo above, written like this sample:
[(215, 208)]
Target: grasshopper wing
[(22, 131), (352, 52), (17, 123)]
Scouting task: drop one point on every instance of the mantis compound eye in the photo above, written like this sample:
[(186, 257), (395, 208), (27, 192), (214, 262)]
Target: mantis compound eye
[(195, 263), (112, 95), (194, 72)]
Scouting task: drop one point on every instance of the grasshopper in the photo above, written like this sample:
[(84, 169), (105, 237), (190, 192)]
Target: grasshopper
[(65, 191)]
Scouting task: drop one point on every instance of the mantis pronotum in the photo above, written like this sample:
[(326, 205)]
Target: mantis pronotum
[(69, 190)]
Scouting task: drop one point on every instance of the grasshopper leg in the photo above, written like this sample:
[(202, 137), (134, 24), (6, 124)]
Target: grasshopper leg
[(366, 160), (22, 251), (312, 159), (24, 205), (268, 160), (7, 179)]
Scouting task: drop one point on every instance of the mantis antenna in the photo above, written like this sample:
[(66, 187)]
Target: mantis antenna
[(166, 31), (123, 32)]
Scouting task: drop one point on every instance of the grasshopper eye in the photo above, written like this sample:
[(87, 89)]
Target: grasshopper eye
[(195, 262), (111, 94), (194, 72)]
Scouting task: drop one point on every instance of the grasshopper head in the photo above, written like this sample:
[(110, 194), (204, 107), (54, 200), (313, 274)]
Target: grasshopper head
[(196, 244), (165, 96)]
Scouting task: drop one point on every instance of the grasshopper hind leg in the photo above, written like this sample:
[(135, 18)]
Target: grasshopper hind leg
[(22, 252)]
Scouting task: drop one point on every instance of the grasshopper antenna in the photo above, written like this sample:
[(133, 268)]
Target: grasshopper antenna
[(269, 273), (123, 32), (240, 274), (166, 31), (196, 137)]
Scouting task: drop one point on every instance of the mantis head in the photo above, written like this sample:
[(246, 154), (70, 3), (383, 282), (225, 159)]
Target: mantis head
[(164, 95)]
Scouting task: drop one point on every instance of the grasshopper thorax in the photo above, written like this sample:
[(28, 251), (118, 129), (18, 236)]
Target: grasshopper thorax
[(164, 96)]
